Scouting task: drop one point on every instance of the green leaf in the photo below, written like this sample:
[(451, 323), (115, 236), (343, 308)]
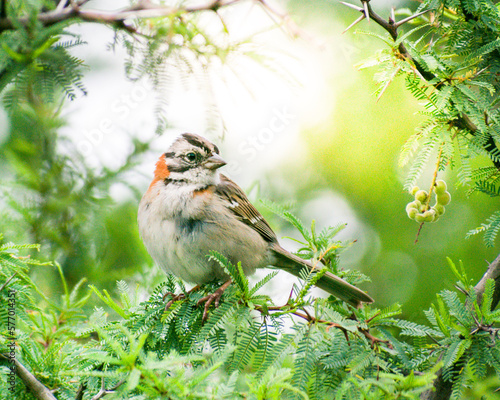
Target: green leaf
[(262, 282), (235, 272), (106, 298), (245, 348), (487, 300), (462, 275), (442, 327), (133, 379), (305, 361)]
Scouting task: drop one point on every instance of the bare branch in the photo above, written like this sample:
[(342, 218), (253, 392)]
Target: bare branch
[(391, 26), (140, 11), (374, 341), (81, 391), (36, 388), (493, 272), (61, 5), (8, 281), (103, 391)]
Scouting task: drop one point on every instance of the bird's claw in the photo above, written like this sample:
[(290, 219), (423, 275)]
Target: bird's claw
[(177, 297), (212, 298)]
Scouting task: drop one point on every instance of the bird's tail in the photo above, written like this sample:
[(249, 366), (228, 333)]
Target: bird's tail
[(329, 282)]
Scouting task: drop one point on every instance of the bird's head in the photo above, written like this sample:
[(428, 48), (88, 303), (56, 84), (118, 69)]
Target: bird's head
[(191, 159)]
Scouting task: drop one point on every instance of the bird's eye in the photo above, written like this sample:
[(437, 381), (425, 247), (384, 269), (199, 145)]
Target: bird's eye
[(191, 157)]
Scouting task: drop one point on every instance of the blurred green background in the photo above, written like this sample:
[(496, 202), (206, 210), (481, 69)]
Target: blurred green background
[(337, 162)]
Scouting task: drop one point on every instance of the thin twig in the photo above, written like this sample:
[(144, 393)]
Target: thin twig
[(81, 391), (7, 281), (434, 177), (140, 11), (103, 391), (311, 319), (418, 232), (396, 71), (493, 272), (391, 26)]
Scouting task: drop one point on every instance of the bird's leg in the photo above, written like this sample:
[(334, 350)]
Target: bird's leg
[(211, 298), (176, 297)]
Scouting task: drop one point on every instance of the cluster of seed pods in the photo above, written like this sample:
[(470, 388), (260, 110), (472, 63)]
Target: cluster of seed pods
[(420, 210)]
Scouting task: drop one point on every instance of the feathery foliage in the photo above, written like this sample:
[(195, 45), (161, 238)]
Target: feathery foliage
[(309, 348), (131, 345), (449, 57)]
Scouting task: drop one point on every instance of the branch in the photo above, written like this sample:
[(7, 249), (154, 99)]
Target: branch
[(142, 10), (374, 341), (391, 26), (442, 388), (37, 389), (493, 272), (8, 281), (81, 391), (103, 391)]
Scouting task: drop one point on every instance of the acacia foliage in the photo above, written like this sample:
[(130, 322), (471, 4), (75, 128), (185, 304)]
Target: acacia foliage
[(249, 347), (130, 347), (449, 55)]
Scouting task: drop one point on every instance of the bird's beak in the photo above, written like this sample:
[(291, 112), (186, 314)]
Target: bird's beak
[(215, 162)]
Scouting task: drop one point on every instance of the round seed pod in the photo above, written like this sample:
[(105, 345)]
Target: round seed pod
[(439, 208), (419, 217), (440, 187), (444, 198), (421, 196), (412, 212)]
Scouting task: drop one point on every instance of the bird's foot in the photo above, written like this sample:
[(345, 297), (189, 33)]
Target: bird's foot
[(213, 298), (177, 297)]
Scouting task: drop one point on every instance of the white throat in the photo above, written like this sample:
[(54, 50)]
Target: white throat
[(197, 178)]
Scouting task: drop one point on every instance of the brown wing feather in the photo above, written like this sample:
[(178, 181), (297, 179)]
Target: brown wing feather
[(238, 203), (243, 209)]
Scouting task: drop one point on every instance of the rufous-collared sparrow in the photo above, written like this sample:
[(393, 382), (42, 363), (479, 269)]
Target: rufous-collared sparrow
[(190, 209)]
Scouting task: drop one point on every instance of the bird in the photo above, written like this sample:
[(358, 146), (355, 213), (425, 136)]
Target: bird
[(191, 209)]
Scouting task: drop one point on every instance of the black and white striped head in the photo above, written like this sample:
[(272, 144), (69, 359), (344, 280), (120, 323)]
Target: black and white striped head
[(193, 159)]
